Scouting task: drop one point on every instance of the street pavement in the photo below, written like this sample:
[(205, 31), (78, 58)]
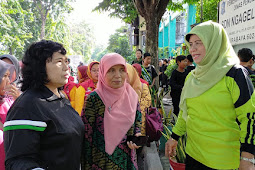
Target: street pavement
[(154, 157)]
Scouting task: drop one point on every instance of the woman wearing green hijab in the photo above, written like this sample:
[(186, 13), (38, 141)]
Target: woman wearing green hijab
[(216, 94)]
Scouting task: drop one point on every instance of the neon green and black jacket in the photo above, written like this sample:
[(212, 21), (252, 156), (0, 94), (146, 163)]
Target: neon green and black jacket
[(214, 137)]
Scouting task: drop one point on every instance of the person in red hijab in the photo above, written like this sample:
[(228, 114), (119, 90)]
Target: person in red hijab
[(82, 74), (87, 86), (139, 71), (70, 90)]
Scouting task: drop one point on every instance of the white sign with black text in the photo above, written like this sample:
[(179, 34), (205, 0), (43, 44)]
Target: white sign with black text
[(238, 19)]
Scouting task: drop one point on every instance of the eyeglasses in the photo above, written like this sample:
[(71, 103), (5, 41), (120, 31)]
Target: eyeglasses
[(196, 44), (95, 70)]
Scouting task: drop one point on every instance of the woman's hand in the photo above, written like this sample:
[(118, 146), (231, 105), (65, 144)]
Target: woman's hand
[(246, 165), (132, 145), (12, 90), (170, 148), (138, 134)]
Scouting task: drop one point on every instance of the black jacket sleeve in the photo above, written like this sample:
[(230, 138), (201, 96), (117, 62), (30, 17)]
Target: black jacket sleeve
[(22, 144)]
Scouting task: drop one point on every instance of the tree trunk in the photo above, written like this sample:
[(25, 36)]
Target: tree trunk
[(152, 11), (43, 9), (152, 42), (42, 35)]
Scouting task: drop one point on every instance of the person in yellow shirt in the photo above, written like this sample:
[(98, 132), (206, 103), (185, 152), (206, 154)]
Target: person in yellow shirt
[(70, 89), (87, 86)]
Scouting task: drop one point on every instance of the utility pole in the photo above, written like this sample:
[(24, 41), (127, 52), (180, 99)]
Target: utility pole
[(201, 17)]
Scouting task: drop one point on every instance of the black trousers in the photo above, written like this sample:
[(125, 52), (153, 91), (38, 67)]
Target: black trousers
[(192, 164), (176, 101)]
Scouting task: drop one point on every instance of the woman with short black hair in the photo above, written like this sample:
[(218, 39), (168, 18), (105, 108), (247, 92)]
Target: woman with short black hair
[(42, 130)]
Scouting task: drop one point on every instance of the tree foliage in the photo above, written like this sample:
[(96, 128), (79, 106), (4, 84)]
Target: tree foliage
[(210, 10), (163, 52), (98, 53), (178, 5), (151, 10), (127, 11), (13, 31), (49, 9), (123, 9), (22, 22), (82, 39), (119, 43)]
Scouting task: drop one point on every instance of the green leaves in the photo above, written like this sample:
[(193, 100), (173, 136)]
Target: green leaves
[(180, 150), (168, 133), (210, 9), (163, 52), (21, 23), (98, 52), (119, 43), (178, 5), (123, 9), (170, 68), (126, 10), (175, 6), (82, 39), (13, 31)]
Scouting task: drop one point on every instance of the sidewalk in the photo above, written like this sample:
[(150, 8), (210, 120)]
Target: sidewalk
[(154, 158), (151, 158), (167, 101)]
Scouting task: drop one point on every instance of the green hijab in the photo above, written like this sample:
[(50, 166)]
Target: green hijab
[(219, 59)]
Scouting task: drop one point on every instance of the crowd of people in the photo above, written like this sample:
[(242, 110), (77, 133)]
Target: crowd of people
[(49, 121)]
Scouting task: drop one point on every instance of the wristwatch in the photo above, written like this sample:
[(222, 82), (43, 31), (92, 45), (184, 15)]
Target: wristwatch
[(252, 160)]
